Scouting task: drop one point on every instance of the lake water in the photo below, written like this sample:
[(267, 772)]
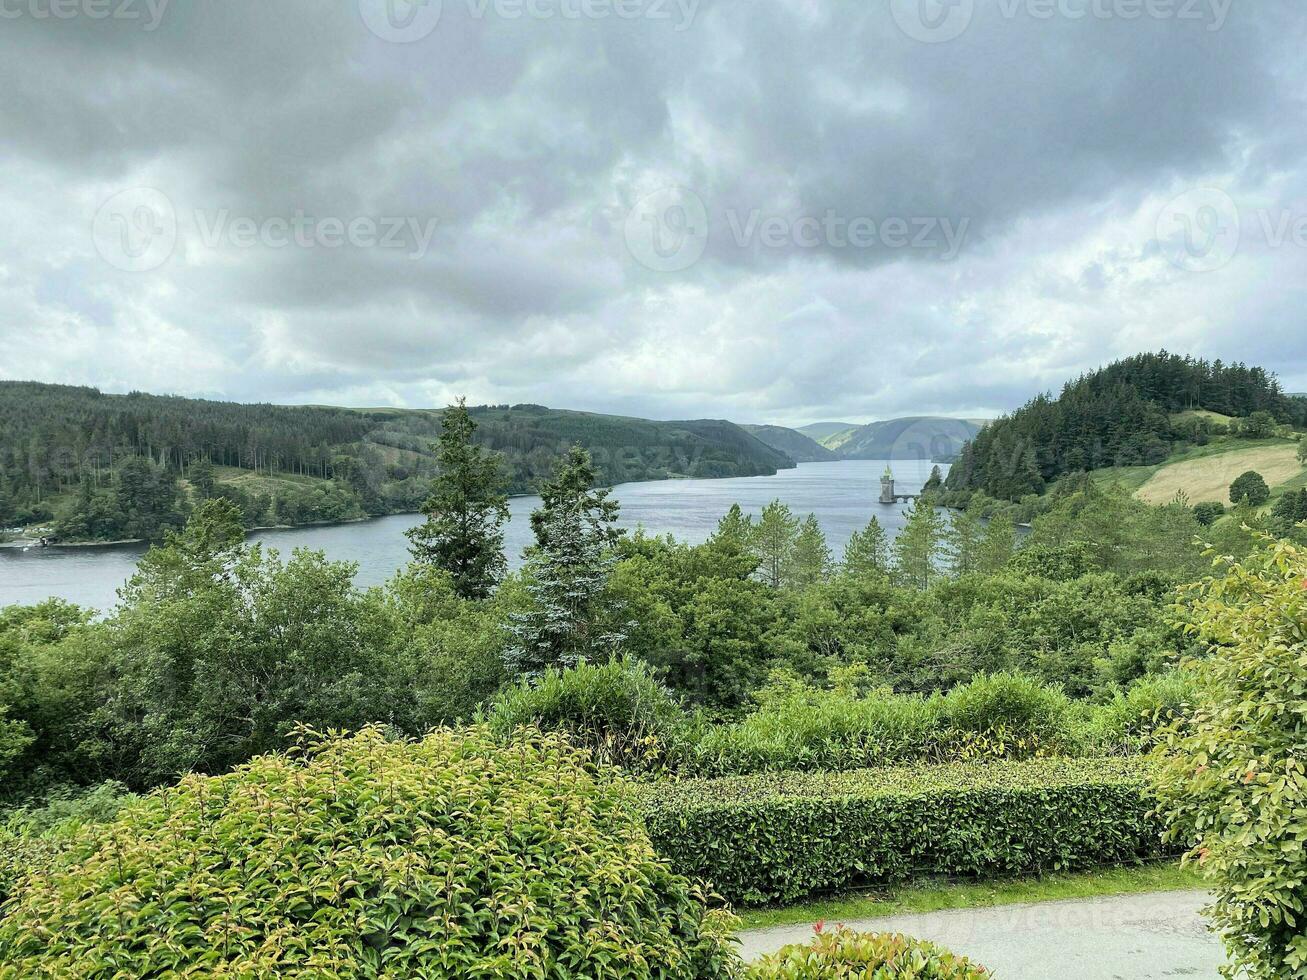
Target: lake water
[(843, 495)]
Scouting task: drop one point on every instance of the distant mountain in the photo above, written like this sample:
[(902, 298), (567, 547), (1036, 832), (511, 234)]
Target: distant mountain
[(909, 438), (827, 433), (792, 443)]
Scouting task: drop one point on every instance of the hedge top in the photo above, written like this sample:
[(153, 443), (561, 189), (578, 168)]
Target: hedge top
[(906, 781)]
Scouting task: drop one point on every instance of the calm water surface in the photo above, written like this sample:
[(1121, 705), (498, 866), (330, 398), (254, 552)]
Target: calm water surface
[(843, 496)]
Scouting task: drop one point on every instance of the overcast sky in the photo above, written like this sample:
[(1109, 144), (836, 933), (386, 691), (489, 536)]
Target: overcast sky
[(765, 210)]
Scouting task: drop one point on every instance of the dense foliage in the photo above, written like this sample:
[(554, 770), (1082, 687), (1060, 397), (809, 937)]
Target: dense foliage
[(842, 954), (939, 703), (456, 856), (778, 837), (1234, 778), (1120, 415), (124, 466)]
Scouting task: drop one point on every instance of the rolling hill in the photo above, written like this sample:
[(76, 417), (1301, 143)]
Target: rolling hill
[(792, 443), (916, 437), (827, 433), (909, 438), (64, 448)]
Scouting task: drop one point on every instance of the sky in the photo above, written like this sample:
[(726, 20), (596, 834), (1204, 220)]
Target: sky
[(765, 210)]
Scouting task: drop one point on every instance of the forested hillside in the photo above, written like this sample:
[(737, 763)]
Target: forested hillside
[(1134, 412), (792, 443), (104, 467)]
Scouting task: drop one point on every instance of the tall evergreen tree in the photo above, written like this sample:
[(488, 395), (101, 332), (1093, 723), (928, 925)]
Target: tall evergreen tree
[(867, 553), (963, 539), (773, 542), (998, 544), (465, 511), (810, 559), (917, 549), (566, 573)]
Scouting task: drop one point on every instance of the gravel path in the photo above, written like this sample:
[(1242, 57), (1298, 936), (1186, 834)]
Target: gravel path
[(1124, 937)]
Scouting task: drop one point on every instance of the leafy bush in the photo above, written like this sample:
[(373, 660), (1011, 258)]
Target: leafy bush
[(1233, 783), (801, 727), (32, 836), (456, 856), (844, 953), (1132, 720), (618, 711), (1209, 512), (1012, 705), (778, 837)]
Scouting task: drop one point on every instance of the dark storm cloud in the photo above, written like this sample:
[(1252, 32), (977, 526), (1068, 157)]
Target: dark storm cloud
[(1042, 149)]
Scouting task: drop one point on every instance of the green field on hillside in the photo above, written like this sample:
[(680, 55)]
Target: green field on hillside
[(1205, 472)]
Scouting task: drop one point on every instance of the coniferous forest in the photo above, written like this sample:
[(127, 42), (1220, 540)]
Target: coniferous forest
[(1121, 415), (107, 467)]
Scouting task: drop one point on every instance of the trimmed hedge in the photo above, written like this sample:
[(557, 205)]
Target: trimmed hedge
[(845, 953), (779, 837)]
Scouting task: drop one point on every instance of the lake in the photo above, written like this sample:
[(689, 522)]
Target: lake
[(843, 495)]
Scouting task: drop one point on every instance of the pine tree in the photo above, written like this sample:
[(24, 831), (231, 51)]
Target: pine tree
[(810, 558), (573, 486), (917, 548), (934, 481), (566, 573), (962, 542), (202, 479), (465, 511), (997, 545), (773, 542), (867, 553)]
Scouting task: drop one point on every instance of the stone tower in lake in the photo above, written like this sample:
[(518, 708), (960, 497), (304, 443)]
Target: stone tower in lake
[(887, 486)]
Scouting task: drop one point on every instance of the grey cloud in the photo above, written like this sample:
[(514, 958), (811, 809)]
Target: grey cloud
[(529, 141)]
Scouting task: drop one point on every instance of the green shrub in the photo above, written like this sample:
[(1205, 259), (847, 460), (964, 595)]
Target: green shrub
[(800, 727), (1013, 705), (456, 856), (1131, 721), (617, 710), (1233, 783), (844, 953), (32, 836), (778, 837), (797, 726)]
